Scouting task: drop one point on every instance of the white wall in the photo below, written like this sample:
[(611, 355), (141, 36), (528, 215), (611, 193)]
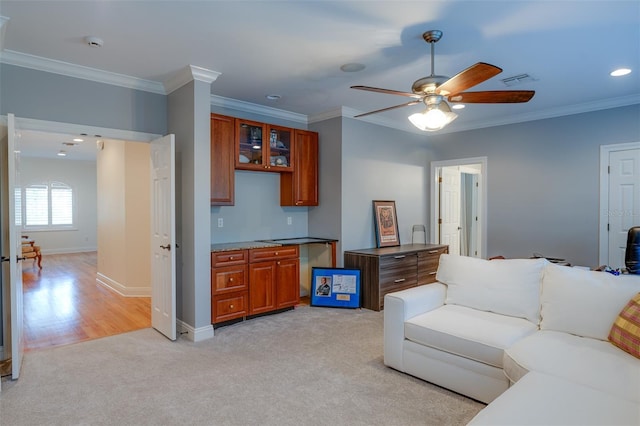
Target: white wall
[(124, 234), (81, 176)]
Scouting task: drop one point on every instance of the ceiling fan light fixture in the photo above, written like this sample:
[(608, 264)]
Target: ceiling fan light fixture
[(435, 117)]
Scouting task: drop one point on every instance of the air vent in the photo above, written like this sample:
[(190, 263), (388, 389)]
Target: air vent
[(517, 79)]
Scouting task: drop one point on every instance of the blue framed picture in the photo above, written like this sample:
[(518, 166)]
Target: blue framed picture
[(335, 287)]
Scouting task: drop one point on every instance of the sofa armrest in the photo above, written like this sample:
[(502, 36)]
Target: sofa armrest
[(399, 307)]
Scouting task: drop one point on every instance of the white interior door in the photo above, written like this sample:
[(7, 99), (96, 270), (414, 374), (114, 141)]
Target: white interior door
[(12, 244), (624, 201), (450, 209), (163, 231)]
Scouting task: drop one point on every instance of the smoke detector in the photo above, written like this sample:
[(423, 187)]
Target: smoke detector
[(94, 41)]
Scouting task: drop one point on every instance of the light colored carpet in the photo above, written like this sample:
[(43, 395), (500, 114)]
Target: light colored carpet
[(309, 366)]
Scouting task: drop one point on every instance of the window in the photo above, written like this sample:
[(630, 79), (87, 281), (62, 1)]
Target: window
[(47, 205)]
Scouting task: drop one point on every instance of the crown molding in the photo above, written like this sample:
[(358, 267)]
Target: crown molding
[(548, 113), (3, 28), (78, 71), (221, 101), (187, 74)]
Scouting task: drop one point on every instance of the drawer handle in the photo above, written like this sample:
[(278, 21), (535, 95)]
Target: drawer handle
[(231, 279), (399, 280), (231, 306), (432, 273), (433, 251), (276, 253), (399, 257), (278, 263), (230, 257)]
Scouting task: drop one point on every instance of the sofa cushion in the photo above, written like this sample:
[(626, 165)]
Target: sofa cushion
[(508, 287), (584, 303), (590, 362), (625, 332), (541, 399), (470, 333)]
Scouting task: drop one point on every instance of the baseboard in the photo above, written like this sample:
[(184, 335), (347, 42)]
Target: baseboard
[(69, 250), (122, 290), (194, 334)]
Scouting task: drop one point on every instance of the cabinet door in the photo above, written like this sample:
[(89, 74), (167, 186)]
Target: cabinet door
[(281, 147), (262, 287), (251, 150), (288, 283), (222, 160), (300, 187)]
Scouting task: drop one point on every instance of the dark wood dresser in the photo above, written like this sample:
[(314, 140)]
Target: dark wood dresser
[(388, 269)]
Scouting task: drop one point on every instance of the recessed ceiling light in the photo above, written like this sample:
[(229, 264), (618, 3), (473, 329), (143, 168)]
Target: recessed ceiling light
[(457, 106), (78, 140), (62, 153), (273, 97), (352, 67), (620, 72)]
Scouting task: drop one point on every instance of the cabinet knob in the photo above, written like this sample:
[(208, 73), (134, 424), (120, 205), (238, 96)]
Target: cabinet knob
[(231, 306), (231, 280), (277, 263), (276, 253), (230, 257)]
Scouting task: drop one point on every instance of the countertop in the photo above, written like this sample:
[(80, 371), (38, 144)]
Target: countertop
[(243, 245)]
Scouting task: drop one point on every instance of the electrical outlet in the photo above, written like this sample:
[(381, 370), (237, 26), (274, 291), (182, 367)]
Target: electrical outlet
[(289, 221), (220, 222)]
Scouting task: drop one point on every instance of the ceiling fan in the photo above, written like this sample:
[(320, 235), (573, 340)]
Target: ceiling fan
[(434, 89)]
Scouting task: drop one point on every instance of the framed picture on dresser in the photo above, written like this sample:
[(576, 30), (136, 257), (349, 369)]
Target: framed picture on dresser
[(386, 223)]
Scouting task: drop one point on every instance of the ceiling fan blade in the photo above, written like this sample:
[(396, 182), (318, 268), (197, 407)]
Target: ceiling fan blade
[(387, 91), (473, 75), (388, 108), (493, 97)]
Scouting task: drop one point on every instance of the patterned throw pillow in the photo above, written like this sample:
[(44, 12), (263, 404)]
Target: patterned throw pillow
[(625, 332)]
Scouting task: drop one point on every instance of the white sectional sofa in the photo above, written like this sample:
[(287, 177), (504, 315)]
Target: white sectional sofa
[(525, 336)]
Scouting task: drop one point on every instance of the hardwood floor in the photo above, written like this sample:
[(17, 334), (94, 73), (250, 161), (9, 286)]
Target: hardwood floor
[(64, 304)]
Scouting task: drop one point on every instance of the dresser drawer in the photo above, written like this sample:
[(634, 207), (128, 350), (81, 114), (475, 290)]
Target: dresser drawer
[(428, 265), (229, 306), (272, 253), (226, 258), (229, 278)]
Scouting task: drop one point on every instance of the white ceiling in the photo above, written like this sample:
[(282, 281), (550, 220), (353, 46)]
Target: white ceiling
[(295, 49)]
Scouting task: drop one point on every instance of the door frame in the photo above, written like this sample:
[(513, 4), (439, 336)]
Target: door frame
[(59, 127), (482, 197), (603, 217)]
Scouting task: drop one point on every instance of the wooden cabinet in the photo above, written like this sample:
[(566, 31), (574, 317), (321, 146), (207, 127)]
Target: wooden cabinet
[(274, 278), (254, 281), (222, 160), (263, 147), (229, 285), (388, 269), (251, 145), (300, 187)]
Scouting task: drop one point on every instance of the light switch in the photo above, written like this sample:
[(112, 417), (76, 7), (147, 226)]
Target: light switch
[(220, 222)]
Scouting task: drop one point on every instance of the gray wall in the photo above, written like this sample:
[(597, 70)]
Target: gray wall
[(29, 93), (543, 180), (379, 163), (257, 214), (189, 121)]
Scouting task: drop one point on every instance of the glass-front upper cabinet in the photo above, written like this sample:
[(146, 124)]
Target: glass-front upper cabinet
[(263, 147)]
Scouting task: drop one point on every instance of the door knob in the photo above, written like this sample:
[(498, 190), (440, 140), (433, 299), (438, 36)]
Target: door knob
[(167, 247)]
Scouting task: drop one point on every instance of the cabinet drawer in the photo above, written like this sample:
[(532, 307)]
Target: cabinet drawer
[(229, 306), (272, 253), (428, 265), (225, 258), (228, 278), (398, 261)]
